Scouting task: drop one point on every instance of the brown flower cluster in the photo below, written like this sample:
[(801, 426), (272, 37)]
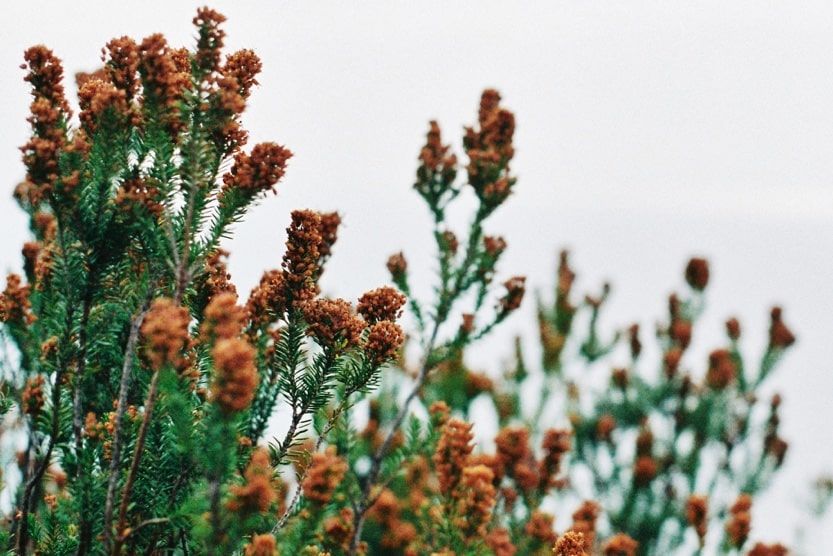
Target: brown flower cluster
[(397, 266), (165, 74), (397, 533), (539, 526), (165, 330), (209, 40), (697, 273), (761, 549), (222, 317), (332, 323), (31, 400), (697, 515), (236, 378), (722, 370), (140, 192), (438, 167), (14, 302), (515, 289), (452, 453), (740, 521), (325, 473), (98, 99), (383, 341), (780, 337), (262, 545), (218, 279), (490, 149), (500, 542), (571, 543), (584, 522), (381, 304), (301, 261), (620, 545), (259, 171), (258, 493), (121, 64), (474, 499), (556, 444)]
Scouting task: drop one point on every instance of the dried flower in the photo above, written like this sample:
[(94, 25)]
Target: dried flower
[(780, 337), (257, 494), (383, 303), (397, 266), (31, 400), (243, 66), (584, 522), (300, 262), (98, 99), (259, 171), (165, 330), (515, 289), (571, 543), (383, 341), (556, 443), (540, 526), (490, 150), (761, 549), (697, 273), (14, 302), (235, 379), (267, 301), (644, 471), (262, 545), (733, 329), (696, 514), (740, 521), (620, 545), (210, 39), (475, 498), (325, 473), (438, 168), (223, 318), (500, 542), (121, 64), (332, 322), (722, 369), (452, 452)]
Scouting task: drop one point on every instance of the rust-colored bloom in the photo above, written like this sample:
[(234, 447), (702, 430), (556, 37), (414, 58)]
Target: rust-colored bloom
[(438, 167), (584, 522), (452, 453), (571, 543), (165, 330), (540, 526), (383, 341), (258, 493), (31, 399), (696, 514), (697, 273), (222, 317), (332, 322), (733, 329), (620, 545), (259, 171), (262, 545), (780, 337), (210, 39), (325, 473), (500, 542), (740, 521), (556, 443), (165, 77), (512, 445), (121, 64), (761, 549), (383, 303), (218, 279), (489, 148), (722, 369), (605, 427), (14, 302), (644, 470), (97, 100), (301, 260), (397, 266), (475, 498), (267, 301), (243, 66), (515, 289), (235, 379)]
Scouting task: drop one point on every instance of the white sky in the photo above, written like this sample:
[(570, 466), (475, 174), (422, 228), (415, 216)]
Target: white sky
[(647, 132)]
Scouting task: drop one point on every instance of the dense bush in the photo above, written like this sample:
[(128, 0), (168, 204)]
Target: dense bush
[(141, 388)]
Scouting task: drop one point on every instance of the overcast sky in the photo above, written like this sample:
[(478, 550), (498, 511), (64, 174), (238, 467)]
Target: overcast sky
[(647, 132)]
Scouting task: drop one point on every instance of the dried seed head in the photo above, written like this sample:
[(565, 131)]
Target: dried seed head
[(332, 322), (452, 453), (381, 304), (165, 330), (257, 494), (325, 473), (235, 379), (697, 273)]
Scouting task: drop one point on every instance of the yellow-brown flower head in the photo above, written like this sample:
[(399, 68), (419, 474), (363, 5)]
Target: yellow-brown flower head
[(722, 369), (697, 273), (165, 76), (267, 301), (539, 526), (218, 279), (780, 337), (383, 341), (262, 545), (475, 498), (257, 494), (332, 322), (500, 542), (165, 330), (302, 256), (223, 318), (438, 166), (325, 473), (512, 445), (243, 66), (620, 545), (14, 302), (584, 522), (259, 171), (210, 39), (99, 99), (235, 378), (121, 64), (697, 515), (383, 303), (31, 399), (452, 453), (571, 543)]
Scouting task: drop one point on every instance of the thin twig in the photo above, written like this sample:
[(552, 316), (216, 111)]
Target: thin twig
[(124, 387)]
